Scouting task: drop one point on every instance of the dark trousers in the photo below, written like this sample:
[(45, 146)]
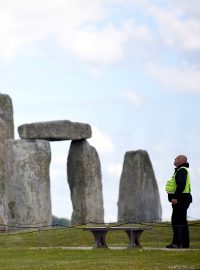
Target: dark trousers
[(180, 225)]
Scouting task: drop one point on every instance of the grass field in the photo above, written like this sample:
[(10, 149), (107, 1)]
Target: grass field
[(50, 249)]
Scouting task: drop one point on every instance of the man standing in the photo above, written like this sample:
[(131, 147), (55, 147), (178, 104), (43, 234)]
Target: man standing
[(178, 188)]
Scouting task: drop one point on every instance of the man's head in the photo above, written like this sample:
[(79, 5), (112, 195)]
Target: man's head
[(179, 160)]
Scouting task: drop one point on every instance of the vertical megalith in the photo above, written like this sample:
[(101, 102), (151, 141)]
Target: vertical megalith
[(6, 132), (85, 182), (139, 198), (27, 182)]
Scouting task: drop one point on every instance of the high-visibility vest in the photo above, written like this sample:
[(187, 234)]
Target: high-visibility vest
[(170, 186)]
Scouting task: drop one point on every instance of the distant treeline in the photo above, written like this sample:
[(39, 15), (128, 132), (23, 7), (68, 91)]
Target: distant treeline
[(60, 221)]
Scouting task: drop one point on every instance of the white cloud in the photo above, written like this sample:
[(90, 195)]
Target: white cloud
[(69, 22), (59, 158), (84, 28), (98, 46), (159, 148), (176, 31), (195, 173), (115, 170), (191, 7), (87, 30), (135, 98), (185, 78), (24, 22), (102, 46), (58, 172), (101, 141)]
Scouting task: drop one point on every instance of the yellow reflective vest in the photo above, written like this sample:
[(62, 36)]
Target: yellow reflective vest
[(170, 186)]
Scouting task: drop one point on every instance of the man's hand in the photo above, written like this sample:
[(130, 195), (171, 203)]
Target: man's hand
[(174, 201)]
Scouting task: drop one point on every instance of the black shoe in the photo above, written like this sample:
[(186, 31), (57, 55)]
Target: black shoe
[(173, 246)]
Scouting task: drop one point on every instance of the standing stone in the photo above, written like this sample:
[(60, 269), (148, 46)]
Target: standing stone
[(139, 198), (6, 132), (85, 182), (27, 182), (55, 130)]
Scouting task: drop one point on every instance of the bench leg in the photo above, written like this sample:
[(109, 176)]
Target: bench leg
[(100, 239), (134, 238)]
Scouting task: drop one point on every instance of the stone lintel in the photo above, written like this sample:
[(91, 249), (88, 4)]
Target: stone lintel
[(55, 130)]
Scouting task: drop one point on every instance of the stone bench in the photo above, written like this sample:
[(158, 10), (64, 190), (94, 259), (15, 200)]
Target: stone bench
[(133, 233)]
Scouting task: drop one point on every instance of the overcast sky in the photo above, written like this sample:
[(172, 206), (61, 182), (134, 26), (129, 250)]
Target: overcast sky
[(129, 68)]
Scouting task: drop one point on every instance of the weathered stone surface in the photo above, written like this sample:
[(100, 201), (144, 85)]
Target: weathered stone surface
[(27, 182), (139, 198), (6, 132), (55, 130), (85, 182)]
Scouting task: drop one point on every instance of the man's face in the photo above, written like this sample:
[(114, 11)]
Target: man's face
[(179, 160)]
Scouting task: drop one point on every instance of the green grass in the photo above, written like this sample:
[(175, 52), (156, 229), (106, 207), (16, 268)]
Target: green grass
[(22, 258), (26, 250)]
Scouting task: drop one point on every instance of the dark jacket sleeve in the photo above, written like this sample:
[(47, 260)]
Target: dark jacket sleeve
[(181, 177)]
